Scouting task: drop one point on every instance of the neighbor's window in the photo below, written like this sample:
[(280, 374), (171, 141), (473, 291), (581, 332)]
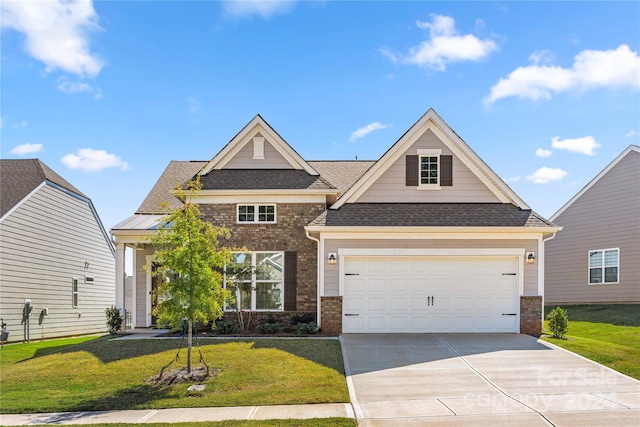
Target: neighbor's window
[(74, 293), (256, 213), (604, 266), (256, 280)]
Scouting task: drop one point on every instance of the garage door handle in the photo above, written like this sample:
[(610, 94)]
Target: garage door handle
[(508, 274), (509, 314), (351, 274), (351, 314)]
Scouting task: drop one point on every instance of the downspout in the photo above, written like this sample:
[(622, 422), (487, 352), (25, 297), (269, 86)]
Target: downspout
[(319, 307), (541, 267)]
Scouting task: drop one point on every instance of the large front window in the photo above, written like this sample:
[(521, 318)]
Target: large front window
[(256, 280), (604, 266)]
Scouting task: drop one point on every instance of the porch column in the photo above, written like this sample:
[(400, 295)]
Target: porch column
[(120, 275)]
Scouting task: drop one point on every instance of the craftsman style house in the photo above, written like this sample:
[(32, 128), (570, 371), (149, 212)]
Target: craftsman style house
[(57, 268), (426, 239), (596, 258)]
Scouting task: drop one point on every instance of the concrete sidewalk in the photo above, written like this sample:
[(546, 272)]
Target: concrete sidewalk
[(181, 415)]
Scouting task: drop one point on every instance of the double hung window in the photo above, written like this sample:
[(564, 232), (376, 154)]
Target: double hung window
[(247, 214), (604, 266)]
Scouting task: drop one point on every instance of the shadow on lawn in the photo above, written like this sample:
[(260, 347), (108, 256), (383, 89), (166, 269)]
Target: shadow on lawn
[(135, 397), (612, 314)]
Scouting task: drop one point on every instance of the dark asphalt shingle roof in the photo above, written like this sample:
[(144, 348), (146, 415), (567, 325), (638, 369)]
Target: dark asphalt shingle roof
[(341, 173), (263, 179), (176, 173), (18, 177), (430, 215)]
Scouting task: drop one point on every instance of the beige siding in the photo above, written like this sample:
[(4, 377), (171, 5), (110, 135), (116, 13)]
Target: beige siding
[(331, 276), (391, 188), (244, 158), (606, 216), (44, 245)]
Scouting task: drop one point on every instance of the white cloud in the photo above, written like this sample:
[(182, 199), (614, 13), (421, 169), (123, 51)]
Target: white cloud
[(90, 160), (545, 175), (584, 145), (592, 69), (444, 46), (69, 87), (366, 130), (264, 8), (541, 57), (631, 133), (541, 152), (21, 125), (513, 178), (25, 149), (56, 32)]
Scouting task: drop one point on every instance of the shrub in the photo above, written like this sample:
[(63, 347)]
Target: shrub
[(296, 318), (114, 319), (269, 318), (558, 322), (306, 329), (269, 328), (225, 327)]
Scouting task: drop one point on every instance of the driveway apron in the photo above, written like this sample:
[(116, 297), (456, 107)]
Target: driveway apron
[(481, 379)]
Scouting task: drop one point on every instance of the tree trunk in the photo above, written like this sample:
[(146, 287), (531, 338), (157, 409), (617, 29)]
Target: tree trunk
[(189, 339)]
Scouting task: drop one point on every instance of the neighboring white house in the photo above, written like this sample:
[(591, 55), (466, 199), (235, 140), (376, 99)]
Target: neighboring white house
[(55, 255), (596, 258)]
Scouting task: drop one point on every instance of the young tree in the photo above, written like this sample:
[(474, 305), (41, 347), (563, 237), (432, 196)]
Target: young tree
[(190, 264)]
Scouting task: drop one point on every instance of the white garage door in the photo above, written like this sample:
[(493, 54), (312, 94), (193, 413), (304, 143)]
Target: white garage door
[(431, 294)]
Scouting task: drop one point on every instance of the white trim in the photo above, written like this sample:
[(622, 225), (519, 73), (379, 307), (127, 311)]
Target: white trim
[(256, 196), (431, 232), (319, 292), (134, 289), (422, 153), (257, 125), (148, 261), (431, 121), (597, 178)]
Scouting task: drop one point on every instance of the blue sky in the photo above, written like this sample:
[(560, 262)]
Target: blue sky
[(107, 93)]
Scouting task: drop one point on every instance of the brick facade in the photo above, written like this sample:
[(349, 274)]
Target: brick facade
[(331, 312), (531, 315), (287, 234)]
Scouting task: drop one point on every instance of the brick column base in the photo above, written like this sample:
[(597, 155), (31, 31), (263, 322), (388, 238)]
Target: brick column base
[(331, 311), (531, 315)]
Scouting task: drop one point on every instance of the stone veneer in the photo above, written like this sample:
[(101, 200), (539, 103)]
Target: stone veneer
[(287, 234), (531, 315), (331, 315)]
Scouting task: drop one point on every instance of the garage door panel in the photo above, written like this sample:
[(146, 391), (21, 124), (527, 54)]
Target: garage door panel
[(431, 294)]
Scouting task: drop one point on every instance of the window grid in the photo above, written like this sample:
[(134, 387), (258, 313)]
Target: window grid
[(74, 293), (256, 214), (604, 266), (261, 287), (429, 167)]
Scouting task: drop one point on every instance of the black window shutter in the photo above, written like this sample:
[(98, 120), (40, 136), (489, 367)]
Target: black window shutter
[(290, 281), (446, 170), (412, 171)]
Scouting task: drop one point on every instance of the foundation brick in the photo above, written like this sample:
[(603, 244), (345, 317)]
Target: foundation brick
[(531, 315)]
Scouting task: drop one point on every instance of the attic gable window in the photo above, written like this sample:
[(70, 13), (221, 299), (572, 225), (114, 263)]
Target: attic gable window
[(258, 147), (429, 170), (255, 214)]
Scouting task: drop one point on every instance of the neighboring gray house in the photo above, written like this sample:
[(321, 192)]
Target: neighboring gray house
[(425, 239), (54, 254), (596, 258)]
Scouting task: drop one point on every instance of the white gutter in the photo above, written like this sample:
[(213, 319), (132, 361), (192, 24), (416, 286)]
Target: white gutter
[(319, 308), (541, 266)]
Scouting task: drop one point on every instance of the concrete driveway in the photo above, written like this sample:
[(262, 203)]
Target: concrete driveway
[(481, 379)]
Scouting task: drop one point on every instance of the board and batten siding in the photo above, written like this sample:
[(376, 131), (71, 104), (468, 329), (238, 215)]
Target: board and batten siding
[(44, 245), (391, 186), (243, 159), (331, 272), (607, 215)]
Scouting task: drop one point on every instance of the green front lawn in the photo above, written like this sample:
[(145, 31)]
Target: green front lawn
[(313, 422), (102, 374), (607, 334)]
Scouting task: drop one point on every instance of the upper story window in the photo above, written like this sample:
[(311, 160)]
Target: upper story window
[(429, 168), (256, 214), (604, 266)]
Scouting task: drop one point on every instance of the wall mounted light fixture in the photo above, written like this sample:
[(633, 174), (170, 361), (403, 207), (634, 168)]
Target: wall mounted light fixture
[(332, 258), (531, 257)]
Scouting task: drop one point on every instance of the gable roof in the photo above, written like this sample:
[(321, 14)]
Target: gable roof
[(341, 173), (263, 179), (431, 120), (176, 173), (429, 215), (19, 177), (603, 172), (257, 125)]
